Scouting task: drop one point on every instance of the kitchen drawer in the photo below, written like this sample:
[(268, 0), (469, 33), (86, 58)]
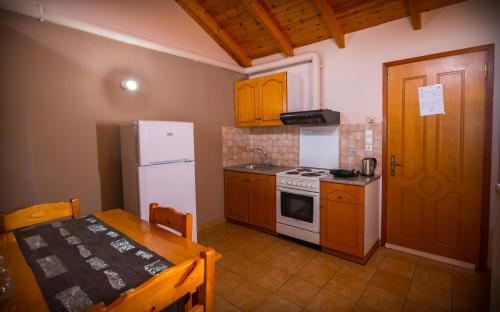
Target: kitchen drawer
[(344, 193)]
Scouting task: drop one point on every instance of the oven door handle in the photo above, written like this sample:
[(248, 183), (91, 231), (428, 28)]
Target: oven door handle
[(298, 192)]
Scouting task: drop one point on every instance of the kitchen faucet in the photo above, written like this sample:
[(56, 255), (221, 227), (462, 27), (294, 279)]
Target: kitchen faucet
[(267, 162)]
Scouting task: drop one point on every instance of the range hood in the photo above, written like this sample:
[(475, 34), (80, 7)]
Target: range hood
[(312, 117)]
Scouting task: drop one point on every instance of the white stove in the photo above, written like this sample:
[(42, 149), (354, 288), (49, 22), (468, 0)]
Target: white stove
[(297, 203), (306, 179)]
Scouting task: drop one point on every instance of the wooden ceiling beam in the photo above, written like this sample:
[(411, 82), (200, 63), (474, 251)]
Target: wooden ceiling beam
[(256, 7), (223, 38), (331, 21), (415, 14)]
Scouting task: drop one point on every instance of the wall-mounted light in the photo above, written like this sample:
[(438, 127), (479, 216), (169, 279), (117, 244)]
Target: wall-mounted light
[(129, 85)]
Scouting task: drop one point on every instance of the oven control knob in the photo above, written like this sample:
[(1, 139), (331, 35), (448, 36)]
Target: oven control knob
[(294, 183), (282, 181), (302, 184), (289, 182), (310, 185)]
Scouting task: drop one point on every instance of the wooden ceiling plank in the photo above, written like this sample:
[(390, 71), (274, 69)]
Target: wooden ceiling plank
[(415, 14), (260, 12), (193, 8), (331, 21)]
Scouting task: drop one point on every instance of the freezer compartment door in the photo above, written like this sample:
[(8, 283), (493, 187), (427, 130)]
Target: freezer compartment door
[(164, 142), (170, 185)]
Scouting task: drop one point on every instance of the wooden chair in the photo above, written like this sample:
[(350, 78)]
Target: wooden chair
[(171, 218), (169, 286), (38, 214)]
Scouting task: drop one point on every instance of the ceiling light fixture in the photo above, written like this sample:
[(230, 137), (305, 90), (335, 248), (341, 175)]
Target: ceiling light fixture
[(129, 85)]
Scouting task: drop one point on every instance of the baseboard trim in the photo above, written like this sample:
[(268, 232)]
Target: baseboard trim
[(427, 255), (253, 227), (361, 260), (206, 226)]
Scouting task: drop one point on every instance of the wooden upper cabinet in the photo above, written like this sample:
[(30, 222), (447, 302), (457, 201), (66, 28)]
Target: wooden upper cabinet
[(235, 196), (342, 218), (246, 95), (260, 101), (262, 201), (273, 99)]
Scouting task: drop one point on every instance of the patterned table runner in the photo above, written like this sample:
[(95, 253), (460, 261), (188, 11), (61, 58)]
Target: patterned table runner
[(81, 262)]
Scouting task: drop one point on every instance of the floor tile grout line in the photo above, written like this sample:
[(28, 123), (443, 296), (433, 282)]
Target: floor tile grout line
[(368, 283), (411, 282), (275, 292), (309, 260), (230, 303)]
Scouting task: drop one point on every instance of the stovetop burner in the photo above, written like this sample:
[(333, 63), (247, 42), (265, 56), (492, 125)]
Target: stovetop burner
[(293, 172), (304, 170), (311, 174)]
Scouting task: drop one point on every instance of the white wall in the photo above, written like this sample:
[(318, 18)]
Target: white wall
[(160, 21), (352, 77)]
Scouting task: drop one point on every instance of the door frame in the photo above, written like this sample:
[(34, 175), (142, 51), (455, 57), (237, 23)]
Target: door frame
[(488, 114)]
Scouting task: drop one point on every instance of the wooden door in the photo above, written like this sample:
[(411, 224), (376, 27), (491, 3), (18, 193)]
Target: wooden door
[(246, 102), (434, 197), (262, 201), (273, 99), (342, 218), (235, 196)]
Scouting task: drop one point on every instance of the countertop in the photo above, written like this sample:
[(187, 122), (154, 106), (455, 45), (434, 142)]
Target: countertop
[(359, 180), (273, 170)]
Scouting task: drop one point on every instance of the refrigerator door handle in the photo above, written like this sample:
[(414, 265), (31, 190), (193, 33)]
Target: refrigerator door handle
[(154, 163)]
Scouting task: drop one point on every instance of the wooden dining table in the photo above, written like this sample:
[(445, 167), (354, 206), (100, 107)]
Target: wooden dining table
[(27, 295)]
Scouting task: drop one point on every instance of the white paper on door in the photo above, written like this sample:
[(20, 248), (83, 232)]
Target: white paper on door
[(431, 100)]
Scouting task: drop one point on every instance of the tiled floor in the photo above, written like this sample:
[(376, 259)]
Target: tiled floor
[(259, 272)]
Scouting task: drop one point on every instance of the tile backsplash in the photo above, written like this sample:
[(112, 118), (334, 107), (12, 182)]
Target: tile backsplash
[(282, 145), (352, 145)]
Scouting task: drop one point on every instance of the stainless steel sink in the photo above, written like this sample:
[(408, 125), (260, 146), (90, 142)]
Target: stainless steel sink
[(253, 166), (257, 167)]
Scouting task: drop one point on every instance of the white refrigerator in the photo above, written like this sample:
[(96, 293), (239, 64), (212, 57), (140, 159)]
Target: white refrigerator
[(158, 166)]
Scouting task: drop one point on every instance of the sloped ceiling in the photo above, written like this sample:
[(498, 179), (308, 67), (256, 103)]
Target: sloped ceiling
[(159, 21)]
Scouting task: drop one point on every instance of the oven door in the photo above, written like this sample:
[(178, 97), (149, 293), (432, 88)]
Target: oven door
[(297, 208)]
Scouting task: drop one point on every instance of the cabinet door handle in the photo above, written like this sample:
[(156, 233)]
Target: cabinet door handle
[(339, 197)]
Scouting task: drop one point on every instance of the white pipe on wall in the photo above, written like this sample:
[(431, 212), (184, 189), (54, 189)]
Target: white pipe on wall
[(312, 57), (103, 32), (118, 36)]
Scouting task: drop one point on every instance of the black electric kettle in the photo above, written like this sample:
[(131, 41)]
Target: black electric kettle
[(368, 166)]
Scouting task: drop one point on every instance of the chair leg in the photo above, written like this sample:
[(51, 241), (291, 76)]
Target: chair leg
[(206, 292), (187, 305)]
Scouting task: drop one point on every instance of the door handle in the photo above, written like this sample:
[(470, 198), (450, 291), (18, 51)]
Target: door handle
[(394, 164)]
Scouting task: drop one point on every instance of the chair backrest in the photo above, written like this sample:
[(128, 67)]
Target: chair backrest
[(38, 214), (170, 285), (171, 218), (159, 291)]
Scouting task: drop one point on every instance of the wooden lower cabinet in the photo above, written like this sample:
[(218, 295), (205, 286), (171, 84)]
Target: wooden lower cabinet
[(235, 196), (349, 219), (262, 201), (251, 198)]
